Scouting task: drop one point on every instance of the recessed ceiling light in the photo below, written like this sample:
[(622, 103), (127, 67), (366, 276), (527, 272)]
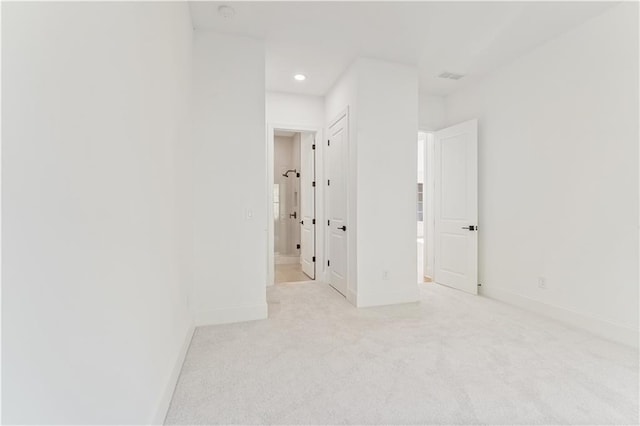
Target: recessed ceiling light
[(300, 77), (227, 12)]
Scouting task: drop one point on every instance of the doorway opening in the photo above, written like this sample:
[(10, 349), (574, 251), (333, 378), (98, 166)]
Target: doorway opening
[(424, 207), (294, 201), (447, 206)]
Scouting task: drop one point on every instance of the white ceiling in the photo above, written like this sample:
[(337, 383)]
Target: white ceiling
[(320, 39)]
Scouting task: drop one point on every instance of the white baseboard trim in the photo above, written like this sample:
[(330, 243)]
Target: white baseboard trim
[(599, 327), (351, 297), (409, 295), (163, 407), (229, 315)]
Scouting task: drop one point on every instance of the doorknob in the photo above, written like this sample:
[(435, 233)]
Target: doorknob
[(344, 228), (470, 228)]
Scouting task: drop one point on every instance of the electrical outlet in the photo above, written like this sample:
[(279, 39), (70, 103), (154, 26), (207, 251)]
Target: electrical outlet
[(385, 275), (542, 282)]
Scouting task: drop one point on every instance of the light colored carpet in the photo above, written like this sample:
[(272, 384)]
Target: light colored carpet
[(453, 358)]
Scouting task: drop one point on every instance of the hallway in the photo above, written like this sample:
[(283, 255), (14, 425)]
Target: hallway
[(452, 358)]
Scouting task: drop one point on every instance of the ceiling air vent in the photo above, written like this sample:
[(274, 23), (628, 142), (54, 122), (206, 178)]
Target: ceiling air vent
[(451, 75)]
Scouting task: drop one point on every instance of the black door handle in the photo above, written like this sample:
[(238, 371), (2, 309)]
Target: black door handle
[(344, 228), (294, 215), (470, 228)]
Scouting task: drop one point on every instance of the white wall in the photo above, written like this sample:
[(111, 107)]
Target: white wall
[(285, 109), (558, 164), (431, 112), (94, 313), (382, 98), (230, 210), (386, 183)]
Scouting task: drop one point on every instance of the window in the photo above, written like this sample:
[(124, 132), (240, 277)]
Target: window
[(420, 207)]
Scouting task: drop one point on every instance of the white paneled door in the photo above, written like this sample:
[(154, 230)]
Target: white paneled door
[(307, 204), (337, 204), (456, 206)]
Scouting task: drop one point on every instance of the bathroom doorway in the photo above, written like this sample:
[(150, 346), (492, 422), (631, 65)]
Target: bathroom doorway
[(294, 220)]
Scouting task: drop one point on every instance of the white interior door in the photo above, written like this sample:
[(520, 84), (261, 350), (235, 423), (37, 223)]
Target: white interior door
[(456, 206), (307, 205), (337, 205)]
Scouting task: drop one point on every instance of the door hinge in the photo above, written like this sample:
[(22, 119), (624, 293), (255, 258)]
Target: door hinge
[(328, 223), (313, 222), (328, 263), (298, 246), (328, 182), (328, 143), (313, 184), (313, 258), (313, 146)]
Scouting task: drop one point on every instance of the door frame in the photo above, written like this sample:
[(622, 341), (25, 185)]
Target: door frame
[(428, 256), (319, 196), (350, 190)]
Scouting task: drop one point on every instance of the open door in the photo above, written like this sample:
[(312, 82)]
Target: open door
[(307, 205), (456, 206), (336, 154)]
